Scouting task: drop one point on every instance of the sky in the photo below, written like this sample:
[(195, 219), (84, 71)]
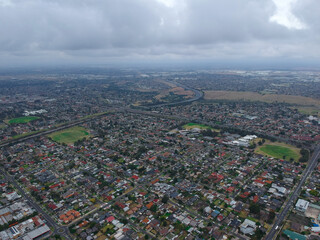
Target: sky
[(102, 31)]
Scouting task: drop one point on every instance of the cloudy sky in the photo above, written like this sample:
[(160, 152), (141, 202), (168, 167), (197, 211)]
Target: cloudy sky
[(98, 31)]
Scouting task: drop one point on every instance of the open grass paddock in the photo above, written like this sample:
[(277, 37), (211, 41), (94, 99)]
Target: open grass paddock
[(69, 135), (279, 151), (22, 119), (253, 96)]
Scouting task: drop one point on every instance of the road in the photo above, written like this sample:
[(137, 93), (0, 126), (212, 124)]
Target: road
[(249, 180), (211, 124), (63, 230), (197, 95), (50, 222), (312, 164), (194, 214), (51, 130)]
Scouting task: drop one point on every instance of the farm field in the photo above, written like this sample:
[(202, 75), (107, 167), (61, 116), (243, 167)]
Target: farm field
[(279, 150), (308, 110), (253, 96), (179, 91), (22, 119), (70, 135)]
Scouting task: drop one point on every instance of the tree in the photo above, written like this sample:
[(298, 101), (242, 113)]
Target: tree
[(209, 133), (72, 230), (314, 193), (258, 234), (254, 208), (165, 198), (305, 155), (271, 216), (132, 197), (153, 208)]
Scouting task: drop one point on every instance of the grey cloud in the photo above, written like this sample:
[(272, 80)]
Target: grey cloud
[(146, 28)]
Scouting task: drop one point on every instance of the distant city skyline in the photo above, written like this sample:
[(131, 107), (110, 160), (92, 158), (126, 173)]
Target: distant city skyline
[(223, 32)]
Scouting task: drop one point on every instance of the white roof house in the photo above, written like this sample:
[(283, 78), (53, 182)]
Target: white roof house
[(248, 227), (302, 205), (315, 229)]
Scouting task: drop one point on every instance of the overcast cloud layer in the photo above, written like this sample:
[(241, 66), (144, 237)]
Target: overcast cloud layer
[(83, 30)]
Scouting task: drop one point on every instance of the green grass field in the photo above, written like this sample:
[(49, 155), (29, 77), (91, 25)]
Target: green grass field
[(70, 135), (279, 151), (189, 126), (22, 119)]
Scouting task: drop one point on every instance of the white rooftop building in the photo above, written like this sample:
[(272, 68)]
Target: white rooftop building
[(248, 227), (302, 205)]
